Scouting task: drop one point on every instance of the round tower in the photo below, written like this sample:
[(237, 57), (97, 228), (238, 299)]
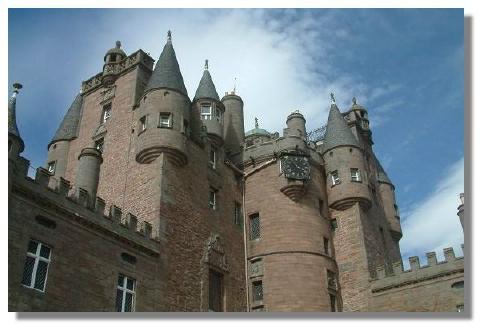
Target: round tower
[(207, 109), (15, 142), (234, 130), (344, 164), (387, 194), (163, 117), (59, 146), (296, 124), (88, 170)]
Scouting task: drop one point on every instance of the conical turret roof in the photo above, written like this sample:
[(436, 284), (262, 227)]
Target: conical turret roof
[(167, 72), (338, 133), (68, 129), (12, 117), (382, 175), (206, 88)]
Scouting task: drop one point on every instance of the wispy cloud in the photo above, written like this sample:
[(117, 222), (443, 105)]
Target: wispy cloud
[(432, 224)]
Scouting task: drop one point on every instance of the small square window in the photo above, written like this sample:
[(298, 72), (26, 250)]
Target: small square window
[(35, 270), (165, 120), (125, 294), (107, 112), (254, 226), (51, 167), (355, 174), (99, 145), (257, 291), (335, 178), (212, 198), (212, 161)]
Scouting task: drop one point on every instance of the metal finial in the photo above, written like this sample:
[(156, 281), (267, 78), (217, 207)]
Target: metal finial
[(16, 87), (206, 64), (256, 122), (332, 98), (354, 100), (118, 44), (169, 35)]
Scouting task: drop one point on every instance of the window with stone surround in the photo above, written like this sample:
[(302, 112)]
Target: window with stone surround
[(206, 111), (355, 175), (125, 294), (165, 120), (326, 246), (215, 291), (254, 226), (335, 178), (106, 112), (51, 167), (256, 268), (35, 270), (257, 291), (212, 198)]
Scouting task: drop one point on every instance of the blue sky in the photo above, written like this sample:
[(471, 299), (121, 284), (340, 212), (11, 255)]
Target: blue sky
[(405, 66)]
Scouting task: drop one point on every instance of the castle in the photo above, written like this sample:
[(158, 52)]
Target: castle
[(151, 201)]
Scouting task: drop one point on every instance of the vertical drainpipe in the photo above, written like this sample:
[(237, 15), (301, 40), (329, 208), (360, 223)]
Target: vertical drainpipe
[(247, 286)]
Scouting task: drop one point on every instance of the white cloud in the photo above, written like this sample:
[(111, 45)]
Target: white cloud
[(432, 224)]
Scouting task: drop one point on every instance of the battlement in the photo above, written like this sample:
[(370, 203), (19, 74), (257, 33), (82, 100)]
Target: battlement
[(78, 205), (395, 276)]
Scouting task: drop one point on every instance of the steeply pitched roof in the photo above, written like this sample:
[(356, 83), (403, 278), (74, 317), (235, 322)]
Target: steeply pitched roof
[(68, 129), (167, 72), (338, 133), (206, 88), (382, 175), (12, 120)]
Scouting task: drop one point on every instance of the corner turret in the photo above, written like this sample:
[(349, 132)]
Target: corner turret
[(112, 57), (88, 171), (163, 115), (234, 130), (347, 178), (15, 142), (208, 110)]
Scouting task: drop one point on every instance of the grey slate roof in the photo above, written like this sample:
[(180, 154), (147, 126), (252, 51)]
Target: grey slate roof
[(382, 175), (338, 133), (167, 72), (206, 88), (12, 121), (68, 129)]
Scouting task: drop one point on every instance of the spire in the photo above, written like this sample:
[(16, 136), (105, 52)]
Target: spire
[(167, 72), (206, 88), (12, 116), (69, 127), (338, 133)]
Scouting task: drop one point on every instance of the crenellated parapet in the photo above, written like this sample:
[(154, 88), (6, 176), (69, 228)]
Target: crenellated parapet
[(396, 277), (116, 69), (77, 205)]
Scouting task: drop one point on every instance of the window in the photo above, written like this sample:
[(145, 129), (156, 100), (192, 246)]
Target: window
[(237, 214), (143, 124), (326, 247), (257, 291), (334, 224), (51, 167), (460, 308), (333, 303), (335, 178), (256, 268), (355, 174), (36, 266), (218, 114), (107, 112), (212, 198), (125, 294), (206, 111), (215, 294), (254, 226), (113, 57), (99, 145), (165, 120), (331, 280), (213, 157)]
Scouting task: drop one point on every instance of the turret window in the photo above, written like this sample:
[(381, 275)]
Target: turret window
[(165, 120), (254, 226), (107, 112), (335, 178), (51, 167), (143, 124), (206, 111), (355, 174)]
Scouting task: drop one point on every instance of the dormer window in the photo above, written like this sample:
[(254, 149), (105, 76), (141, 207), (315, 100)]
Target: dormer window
[(335, 178), (107, 112), (206, 111), (165, 120)]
